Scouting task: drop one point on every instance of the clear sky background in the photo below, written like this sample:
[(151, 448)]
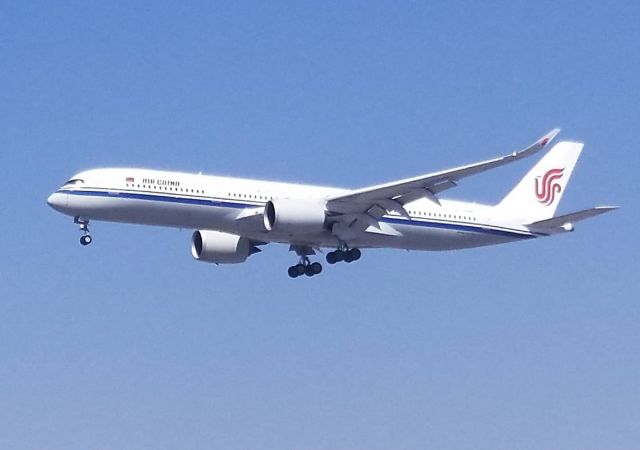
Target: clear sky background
[(132, 344)]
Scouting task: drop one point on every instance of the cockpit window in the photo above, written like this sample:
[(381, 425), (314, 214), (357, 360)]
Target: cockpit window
[(73, 182)]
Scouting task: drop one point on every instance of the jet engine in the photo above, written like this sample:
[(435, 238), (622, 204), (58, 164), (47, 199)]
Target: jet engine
[(294, 215), (220, 248)]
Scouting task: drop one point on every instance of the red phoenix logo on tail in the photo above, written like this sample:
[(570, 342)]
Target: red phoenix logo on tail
[(549, 186)]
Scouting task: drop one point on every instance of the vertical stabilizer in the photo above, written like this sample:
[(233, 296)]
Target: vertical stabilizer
[(538, 194)]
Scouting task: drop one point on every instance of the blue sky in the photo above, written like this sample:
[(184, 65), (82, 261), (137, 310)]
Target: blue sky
[(131, 344)]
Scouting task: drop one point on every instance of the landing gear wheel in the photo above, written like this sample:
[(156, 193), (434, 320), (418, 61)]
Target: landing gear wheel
[(347, 255), (85, 239), (304, 268)]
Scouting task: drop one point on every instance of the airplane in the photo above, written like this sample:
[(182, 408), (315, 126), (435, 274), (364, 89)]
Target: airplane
[(234, 217)]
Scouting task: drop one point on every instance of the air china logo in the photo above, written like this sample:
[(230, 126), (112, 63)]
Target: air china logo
[(548, 186)]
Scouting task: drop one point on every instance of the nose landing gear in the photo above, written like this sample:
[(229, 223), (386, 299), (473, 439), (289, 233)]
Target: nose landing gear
[(86, 238)]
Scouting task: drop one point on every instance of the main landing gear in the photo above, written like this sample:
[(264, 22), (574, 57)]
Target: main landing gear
[(305, 267), (85, 239), (346, 255)]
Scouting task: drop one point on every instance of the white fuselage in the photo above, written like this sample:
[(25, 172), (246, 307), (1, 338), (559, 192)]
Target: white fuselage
[(234, 205)]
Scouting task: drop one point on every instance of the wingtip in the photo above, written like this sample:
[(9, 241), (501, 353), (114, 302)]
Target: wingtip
[(548, 137)]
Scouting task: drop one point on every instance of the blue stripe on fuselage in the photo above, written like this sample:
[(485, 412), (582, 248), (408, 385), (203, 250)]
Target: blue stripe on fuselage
[(457, 227), (163, 198), (241, 205)]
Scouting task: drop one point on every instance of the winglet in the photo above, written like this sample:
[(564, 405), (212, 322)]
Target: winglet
[(548, 137), (535, 147)]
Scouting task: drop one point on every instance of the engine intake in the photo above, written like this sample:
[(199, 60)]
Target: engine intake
[(220, 248), (294, 215)]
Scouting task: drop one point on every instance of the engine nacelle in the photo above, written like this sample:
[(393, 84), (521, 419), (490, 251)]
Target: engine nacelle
[(220, 248), (291, 215)]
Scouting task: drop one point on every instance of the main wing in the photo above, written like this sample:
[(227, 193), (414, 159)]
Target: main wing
[(380, 199)]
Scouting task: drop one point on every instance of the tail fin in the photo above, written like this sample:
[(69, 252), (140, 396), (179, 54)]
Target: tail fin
[(538, 194)]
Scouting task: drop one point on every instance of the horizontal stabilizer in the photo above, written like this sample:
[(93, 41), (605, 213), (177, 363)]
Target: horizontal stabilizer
[(565, 222)]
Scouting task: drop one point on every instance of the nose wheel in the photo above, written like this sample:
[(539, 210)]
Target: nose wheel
[(86, 238)]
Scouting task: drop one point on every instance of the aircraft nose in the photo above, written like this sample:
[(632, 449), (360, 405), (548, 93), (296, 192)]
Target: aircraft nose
[(57, 201)]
